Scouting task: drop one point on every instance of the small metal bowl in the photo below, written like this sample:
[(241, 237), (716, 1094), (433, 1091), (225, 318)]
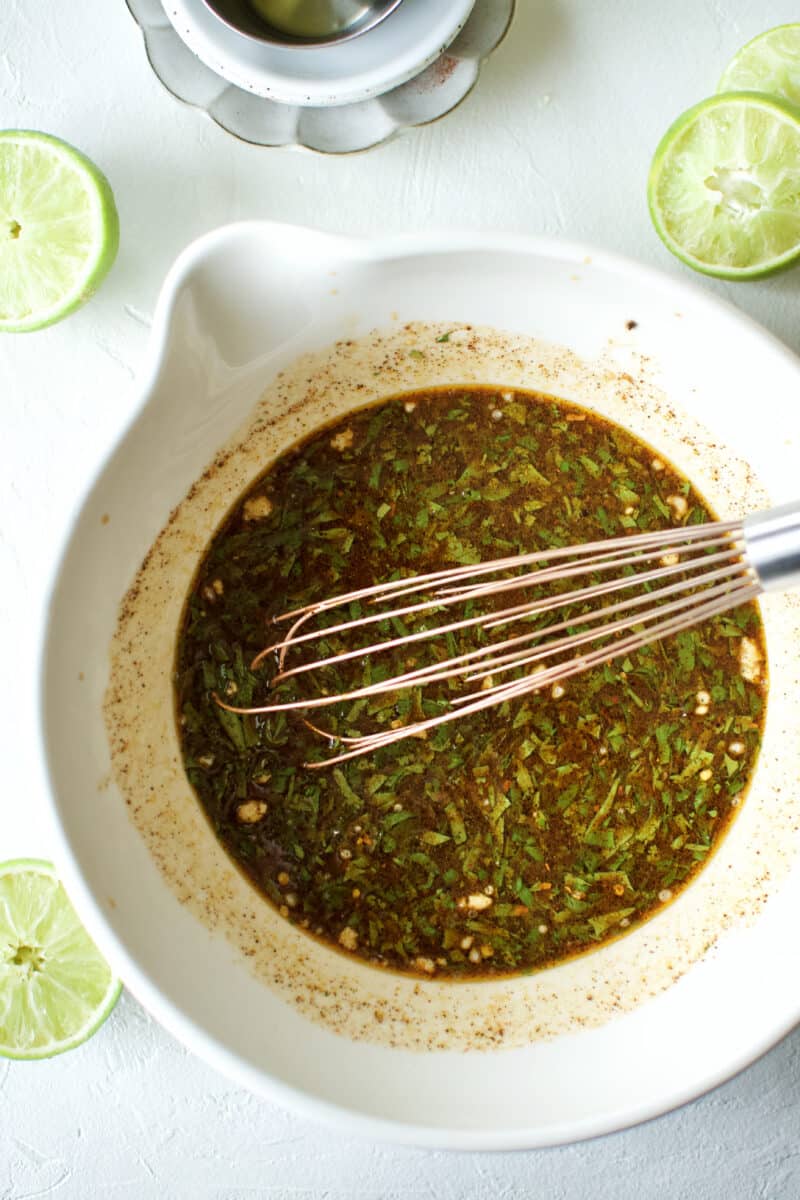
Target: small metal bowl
[(345, 19)]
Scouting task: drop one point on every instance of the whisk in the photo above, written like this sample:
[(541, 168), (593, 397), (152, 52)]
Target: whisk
[(593, 603)]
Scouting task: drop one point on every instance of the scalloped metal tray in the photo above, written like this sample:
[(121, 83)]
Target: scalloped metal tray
[(343, 129)]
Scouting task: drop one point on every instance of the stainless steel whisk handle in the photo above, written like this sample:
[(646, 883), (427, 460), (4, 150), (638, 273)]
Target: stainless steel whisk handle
[(772, 546)]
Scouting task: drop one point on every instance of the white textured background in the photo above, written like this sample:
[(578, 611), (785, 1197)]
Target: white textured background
[(556, 139)]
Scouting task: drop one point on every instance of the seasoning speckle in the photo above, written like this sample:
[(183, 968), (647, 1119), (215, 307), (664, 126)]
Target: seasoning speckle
[(348, 938), (251, 811), (750, 659), (257, 508)]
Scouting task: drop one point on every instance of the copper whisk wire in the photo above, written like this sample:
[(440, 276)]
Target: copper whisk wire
[(678, 576)]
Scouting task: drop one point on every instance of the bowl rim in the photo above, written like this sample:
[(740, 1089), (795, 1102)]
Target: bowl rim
[(273, 36), (89, 906), (354, 71)]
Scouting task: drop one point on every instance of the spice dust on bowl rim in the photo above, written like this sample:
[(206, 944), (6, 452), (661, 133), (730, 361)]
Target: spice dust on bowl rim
[(599, 1042)]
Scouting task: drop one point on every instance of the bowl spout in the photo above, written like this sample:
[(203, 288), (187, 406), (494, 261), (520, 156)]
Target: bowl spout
[(250, 290)]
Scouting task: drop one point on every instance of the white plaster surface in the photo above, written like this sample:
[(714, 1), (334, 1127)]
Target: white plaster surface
[(556, 139)]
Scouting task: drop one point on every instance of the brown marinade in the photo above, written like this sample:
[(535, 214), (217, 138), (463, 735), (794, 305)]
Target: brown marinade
[(505, 841)]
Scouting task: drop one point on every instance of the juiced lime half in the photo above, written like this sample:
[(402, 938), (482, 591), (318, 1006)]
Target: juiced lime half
[(55, 989), (724, 186), (59, 229), (769, 63)]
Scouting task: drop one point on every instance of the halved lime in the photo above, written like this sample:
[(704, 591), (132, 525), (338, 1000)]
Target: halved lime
[(769, 63), (59, 229), (55, 989), (724, 186)]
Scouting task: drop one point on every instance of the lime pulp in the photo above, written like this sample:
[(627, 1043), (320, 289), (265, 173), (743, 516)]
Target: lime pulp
[(59, 229), (724, 186), (55, 987), (769, 63)]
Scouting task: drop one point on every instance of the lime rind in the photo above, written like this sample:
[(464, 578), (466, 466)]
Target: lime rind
[(70, 993), (59, 230), (768, 63), (724, 186)]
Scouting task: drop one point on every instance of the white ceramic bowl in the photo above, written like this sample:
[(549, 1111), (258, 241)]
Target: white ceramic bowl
[(402, 46), (619, 1035)]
